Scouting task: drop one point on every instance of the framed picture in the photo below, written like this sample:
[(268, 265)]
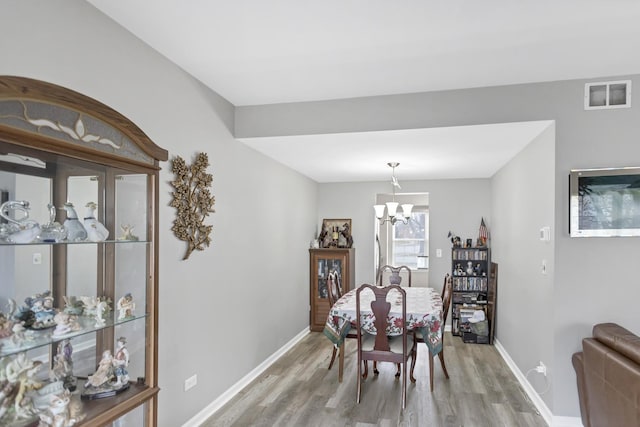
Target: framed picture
[(336, 233), (604, 202)]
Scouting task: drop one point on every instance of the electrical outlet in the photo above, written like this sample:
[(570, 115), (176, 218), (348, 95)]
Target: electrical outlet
[(190, 382), (541, 368)]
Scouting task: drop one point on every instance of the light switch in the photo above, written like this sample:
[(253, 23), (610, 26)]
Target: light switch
[(438, 253)]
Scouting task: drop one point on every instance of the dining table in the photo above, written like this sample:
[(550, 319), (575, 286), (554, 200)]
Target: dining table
[(424, 314)]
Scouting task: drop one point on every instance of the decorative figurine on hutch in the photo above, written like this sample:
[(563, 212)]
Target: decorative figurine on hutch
[(38, 311), (62, 411), (322, 236), (346, 233), (96, 232), (52, 231), (127, 233), (126, 306), (75, 230), (23, 230), (101, 310), (6, 326), (111, 376), (72, 305), (63, 365), (65, 324), (120, 362), (18, 380)]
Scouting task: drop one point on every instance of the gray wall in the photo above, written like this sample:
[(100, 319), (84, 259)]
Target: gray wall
[(590, 280), (523, 202), (227, 309)]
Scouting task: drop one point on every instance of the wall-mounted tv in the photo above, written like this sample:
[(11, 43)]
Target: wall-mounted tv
[(604, 202)]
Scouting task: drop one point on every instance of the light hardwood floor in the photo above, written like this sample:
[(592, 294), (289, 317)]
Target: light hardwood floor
[(299, 390)]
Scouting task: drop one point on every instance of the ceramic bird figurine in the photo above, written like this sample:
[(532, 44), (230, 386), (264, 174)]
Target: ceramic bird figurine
[(23, 230), (96, 232), (75, 230)]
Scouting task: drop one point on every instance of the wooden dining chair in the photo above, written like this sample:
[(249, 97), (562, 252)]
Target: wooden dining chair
[(334, 291), (395, 277), (447, 291), (381, 347)]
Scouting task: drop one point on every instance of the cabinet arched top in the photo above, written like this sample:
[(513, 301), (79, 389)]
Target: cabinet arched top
[(58, 119)]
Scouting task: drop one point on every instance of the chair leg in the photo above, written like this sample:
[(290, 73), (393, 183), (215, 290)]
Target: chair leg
[(431, 371), (397, 370), (375, 367), (366, 369), (444, 367), (359, 388), (341, 362), (414, 357), (404, 383), (333, 357)]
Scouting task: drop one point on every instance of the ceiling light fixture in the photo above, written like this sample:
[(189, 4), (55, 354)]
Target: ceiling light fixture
[(392, 207)]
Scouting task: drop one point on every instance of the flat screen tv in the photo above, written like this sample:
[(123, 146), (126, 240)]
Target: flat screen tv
[(604, 202)]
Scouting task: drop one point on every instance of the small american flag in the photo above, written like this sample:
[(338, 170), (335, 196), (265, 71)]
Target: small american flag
[(483, 233)]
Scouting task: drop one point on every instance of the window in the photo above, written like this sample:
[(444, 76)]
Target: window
[(410, 242)]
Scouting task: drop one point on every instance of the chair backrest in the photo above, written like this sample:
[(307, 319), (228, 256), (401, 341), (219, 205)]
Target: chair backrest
[(394, 278), (380, 308), (447, 291), (334, 288)]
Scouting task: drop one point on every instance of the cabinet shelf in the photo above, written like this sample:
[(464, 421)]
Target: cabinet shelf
[(68, 243), (43, 337)]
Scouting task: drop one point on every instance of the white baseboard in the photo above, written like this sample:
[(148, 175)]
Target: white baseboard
[(549, 418), (203, 415)]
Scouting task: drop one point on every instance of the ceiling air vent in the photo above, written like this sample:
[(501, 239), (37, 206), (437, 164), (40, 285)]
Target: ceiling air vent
[(601, 95)]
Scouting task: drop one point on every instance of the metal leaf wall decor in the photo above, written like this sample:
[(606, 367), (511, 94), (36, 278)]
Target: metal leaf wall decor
[(193, 200)]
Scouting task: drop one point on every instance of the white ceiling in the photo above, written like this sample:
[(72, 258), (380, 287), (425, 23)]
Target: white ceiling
[(435, 153), (261, 52)]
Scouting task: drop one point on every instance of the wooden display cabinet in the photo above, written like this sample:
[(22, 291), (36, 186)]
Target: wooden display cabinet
[(322, 262), (59, 146)]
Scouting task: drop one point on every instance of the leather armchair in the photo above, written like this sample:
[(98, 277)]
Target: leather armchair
[(608, 377)]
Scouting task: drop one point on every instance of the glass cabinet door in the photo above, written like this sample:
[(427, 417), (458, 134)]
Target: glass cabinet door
[(326, 266)]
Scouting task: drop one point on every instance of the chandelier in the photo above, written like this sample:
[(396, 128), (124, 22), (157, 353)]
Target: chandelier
[(392, 207)]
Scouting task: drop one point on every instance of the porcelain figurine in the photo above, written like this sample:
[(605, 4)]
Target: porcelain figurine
[(20, 374), (72, 305), (120, 362), (23, 230), (104, 374), (96, 232), (91, 305), (101, 310), (127, 233), (52, 231), (126, 306), (75, 230), (62, 411), (63, 365), (65, 324), (38, 311)]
